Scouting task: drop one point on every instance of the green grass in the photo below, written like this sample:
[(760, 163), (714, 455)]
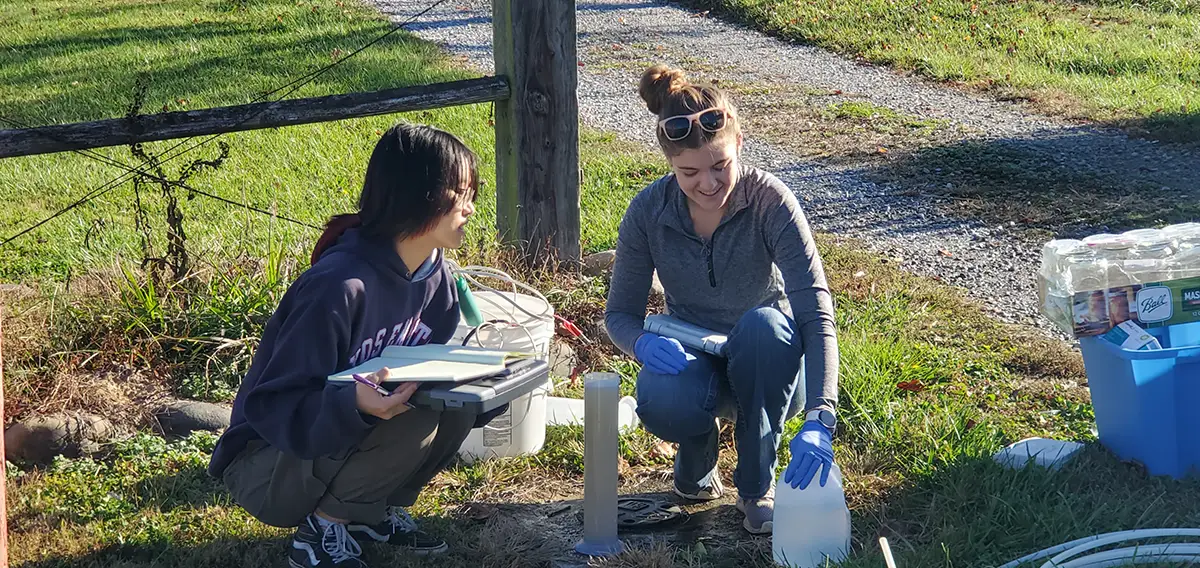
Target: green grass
[(930, 386), (929, 390), (69, 61), (1099, 59)]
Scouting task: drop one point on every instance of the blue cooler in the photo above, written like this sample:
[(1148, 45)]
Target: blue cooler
[(1147, 403)]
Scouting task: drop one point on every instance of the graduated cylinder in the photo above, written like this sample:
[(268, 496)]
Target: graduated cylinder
[(601, 395)]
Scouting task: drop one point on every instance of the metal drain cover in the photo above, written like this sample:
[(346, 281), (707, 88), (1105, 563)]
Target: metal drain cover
[(639, 512)]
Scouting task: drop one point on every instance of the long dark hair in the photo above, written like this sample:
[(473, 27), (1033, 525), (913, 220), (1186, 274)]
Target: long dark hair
[(415, 176)]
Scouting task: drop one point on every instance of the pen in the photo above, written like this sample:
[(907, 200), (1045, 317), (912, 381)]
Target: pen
[(375, 386), (378, 389)]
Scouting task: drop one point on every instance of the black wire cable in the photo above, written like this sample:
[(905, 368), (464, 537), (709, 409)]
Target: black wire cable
[(131, 171)]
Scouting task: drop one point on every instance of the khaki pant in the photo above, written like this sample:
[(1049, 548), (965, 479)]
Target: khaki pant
[(393, 462)]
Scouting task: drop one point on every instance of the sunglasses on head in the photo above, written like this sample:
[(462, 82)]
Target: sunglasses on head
[(680, 126)]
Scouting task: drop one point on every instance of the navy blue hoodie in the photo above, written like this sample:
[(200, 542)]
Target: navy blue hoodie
[(357, 298)]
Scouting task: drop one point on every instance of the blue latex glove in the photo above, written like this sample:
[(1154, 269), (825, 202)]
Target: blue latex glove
[(812, 448), (662, 355)]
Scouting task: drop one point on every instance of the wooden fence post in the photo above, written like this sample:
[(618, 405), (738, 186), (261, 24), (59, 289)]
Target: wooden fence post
[(537, 128)]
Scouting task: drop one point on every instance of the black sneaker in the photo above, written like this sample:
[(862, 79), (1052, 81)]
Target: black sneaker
[(331, 546), (400, 529)]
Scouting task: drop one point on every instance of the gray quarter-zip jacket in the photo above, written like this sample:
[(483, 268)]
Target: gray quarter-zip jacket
[(761, 254)]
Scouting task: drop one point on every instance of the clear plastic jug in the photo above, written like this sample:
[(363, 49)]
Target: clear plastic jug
[(812, 524)]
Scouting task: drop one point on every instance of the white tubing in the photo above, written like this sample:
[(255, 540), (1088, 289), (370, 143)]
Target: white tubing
[(1138, 554), (1145, 554), (490, 325), (1113, 539), (471, 272)]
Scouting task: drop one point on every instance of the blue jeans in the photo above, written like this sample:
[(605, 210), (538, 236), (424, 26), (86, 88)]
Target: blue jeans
[(759, 385)]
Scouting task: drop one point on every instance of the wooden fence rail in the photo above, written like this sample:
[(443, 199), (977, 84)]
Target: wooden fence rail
[(218, 120)]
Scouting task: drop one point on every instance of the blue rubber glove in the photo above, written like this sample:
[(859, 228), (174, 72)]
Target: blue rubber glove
[(662, 355), (812, 448)]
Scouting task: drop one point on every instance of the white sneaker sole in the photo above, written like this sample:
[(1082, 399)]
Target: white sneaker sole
[(766, 528), (706, 497), (383, 539), (717, 493), (426, 551)]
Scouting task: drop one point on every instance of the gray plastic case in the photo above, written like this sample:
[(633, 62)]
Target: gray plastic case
[(486, 394)]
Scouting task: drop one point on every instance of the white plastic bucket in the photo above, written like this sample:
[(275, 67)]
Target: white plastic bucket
[(520, 430), (499, 306)]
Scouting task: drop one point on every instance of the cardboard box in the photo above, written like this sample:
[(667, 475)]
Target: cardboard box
[(1152, 305)]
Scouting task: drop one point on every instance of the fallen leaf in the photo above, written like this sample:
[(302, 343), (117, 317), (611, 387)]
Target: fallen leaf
[(882, 150), (910, 386), (475, 511), (664, 450)]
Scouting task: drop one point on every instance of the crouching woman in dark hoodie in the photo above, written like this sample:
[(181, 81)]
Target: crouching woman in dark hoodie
[(340, 461)]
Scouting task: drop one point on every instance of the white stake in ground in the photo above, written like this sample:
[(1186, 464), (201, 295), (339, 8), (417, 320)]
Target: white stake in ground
[(601, 393)]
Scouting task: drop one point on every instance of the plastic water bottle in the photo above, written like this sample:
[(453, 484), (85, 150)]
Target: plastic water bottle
[(812, 524)]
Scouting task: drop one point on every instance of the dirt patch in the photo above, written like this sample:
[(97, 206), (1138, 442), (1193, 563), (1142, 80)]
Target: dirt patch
[(715, 527)]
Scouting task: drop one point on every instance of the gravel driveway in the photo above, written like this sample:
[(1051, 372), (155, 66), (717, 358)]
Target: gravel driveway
[(993, 263)]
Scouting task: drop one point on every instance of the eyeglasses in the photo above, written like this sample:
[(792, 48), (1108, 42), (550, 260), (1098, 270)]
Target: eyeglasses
[(680, 126)]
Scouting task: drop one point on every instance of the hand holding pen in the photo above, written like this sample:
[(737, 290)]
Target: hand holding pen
[(375, 400)]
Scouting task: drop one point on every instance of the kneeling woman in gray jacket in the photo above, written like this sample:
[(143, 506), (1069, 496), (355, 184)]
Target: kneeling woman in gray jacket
[(735, 255)]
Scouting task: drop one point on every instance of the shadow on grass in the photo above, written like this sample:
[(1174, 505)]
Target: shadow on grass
[(1072, 183), (515, 535), (223, 552), (231, 74), (1175, 127)]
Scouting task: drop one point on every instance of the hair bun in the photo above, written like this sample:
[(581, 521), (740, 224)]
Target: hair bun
[(658, 83)]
